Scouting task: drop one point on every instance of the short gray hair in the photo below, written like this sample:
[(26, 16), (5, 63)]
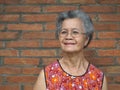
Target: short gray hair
[(88, 25)]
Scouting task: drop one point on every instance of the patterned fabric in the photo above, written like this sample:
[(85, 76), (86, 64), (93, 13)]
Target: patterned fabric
[(58, 79)]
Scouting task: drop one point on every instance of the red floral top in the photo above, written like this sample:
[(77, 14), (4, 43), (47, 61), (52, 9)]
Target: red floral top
[(58, 79)]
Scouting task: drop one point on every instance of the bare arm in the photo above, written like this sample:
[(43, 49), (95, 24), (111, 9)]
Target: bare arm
[(40, 83), (104, 84)]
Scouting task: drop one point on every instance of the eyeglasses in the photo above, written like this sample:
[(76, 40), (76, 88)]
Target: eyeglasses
[(74, 33)]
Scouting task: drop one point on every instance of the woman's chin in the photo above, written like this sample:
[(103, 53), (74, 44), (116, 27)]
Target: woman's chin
[(70, 51)]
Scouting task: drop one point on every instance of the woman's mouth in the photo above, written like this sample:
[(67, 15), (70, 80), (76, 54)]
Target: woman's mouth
[(69, 43)]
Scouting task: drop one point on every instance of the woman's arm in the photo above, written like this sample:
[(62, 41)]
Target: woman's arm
[(40, 83), (104, 84)]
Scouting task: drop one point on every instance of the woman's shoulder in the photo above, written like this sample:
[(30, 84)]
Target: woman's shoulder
[(95, 68), (52, 64), (40, 83)]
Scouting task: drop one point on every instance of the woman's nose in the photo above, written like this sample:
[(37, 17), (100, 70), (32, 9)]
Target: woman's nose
[(69, 36)]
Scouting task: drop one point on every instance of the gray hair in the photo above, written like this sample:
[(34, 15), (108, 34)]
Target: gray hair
[(88, 25)]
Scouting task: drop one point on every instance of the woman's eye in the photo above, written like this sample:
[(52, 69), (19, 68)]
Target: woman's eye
[(63, 32), (75, 32)]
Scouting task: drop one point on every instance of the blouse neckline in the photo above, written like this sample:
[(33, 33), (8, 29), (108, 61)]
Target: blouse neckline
[(74, 75)]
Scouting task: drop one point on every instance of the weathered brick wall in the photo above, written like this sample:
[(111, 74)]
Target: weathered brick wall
[(27, 39)]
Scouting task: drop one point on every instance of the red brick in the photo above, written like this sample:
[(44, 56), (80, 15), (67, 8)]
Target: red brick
[(118, 44), (47, 61), (23, 9), (1, 44), (110, 79), (12, 1), (101, 61), (31, 70), (94, 35), (8, 35), (106, 26), (8, 53), (1, 9), (118, 60), (28, 87), (9, 87), (118, 8), (117, 79), (25, 27), (37, 53), (90, 52), (102, 43), (10, 70), (38, 35), (2, 26), (21, 79), (2, 1), (39, 1), (50, 26), (58, 8), (113, 86), (1, 79), (78, 1), (102, 9), (110, 52), (51, 43), (21, 61), (109, 17), (109, 1), (111, 69), (109, 35), (9, 18), (23, 44), (9, 1), (39, 18)]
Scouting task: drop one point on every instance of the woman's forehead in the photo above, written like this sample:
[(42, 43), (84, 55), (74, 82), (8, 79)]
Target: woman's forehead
[(73, 20), (72, 23)]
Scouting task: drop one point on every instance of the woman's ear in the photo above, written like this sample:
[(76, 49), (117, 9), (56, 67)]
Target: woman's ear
[(86, 41)]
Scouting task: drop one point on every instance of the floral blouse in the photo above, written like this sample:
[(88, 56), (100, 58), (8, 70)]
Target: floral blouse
[(58, 79)]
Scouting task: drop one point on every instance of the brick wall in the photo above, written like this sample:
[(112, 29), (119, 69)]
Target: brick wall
[(27, 39)]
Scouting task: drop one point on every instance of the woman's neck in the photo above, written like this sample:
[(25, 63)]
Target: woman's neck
[(74, 62), (73, 59)]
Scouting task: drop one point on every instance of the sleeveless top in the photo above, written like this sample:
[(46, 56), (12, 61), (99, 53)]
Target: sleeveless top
[(57, 79)]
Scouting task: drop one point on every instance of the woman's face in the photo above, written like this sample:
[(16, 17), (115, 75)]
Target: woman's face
[(72, 36)]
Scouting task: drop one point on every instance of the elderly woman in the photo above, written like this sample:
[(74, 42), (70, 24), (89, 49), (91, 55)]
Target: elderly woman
[(72, 71)]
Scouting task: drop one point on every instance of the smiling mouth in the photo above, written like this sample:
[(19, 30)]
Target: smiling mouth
[(69, 43)]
